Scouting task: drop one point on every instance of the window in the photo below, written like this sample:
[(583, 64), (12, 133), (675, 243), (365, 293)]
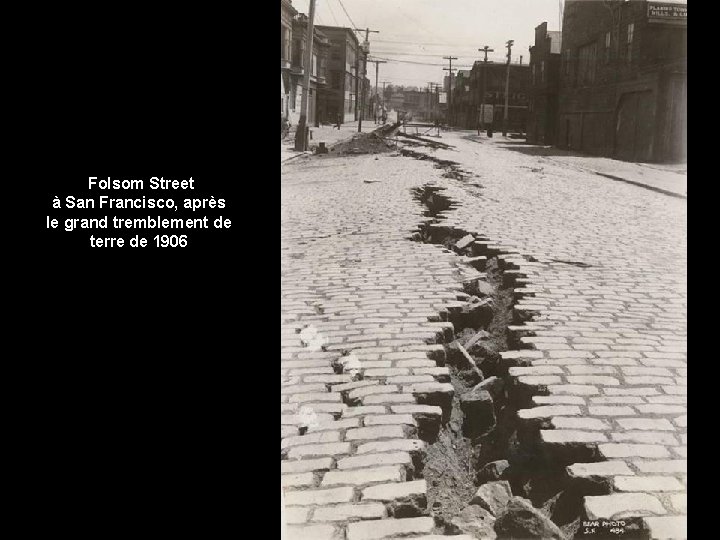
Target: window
[(630, 32), (542, 71), (566, 61), (607, 47), (534, 69), (586, 64), (297, 58)]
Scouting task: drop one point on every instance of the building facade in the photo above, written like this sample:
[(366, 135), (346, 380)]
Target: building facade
[(287, 14), (544, 86), (490, 78), (318, 74), (623, 82), (345, 70)]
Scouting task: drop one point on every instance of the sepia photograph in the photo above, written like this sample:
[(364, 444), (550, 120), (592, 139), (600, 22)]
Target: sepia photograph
[(483, 269)]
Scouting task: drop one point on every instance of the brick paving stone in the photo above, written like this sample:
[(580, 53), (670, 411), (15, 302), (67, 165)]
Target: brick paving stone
[(372, 530), (443, 537), (646, 437), (403, 445), (647, 483), (662, 466), (352, 412), (388, 398), (312, 532), (345, 512), (426, 410), (622, 450), (375, 432), (331, 425), (558, 400), (674, 527), (385, 419), (330, 449), (296, 514), (563, 422), (656, 424), (390, 492), (312, 438), (298, 480), (619, 505), (602, 468), (548, 411), (306, 465), (359, 393), (608, 410), (359, 477), (679, 503), (373, 460), (562, 436), (311, 497)]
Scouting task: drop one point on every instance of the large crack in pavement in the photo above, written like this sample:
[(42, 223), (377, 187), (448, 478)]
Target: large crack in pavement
[(488, 474)]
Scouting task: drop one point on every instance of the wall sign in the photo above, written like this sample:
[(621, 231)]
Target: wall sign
[(667, 13)]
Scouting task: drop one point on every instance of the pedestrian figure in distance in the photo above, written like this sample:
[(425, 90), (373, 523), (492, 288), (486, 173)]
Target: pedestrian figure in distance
[(339, 120), (284, 126)]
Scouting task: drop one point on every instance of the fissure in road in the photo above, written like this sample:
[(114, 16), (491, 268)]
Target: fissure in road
[(483, 474)]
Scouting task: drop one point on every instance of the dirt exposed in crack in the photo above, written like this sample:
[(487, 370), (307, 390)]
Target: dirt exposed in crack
[(421, 141), (481, 442), (452, 461), (374, 142)]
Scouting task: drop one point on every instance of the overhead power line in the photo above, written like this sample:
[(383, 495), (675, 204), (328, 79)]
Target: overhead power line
[(395, 60), (346, 13), (333, 14), (428, 43)]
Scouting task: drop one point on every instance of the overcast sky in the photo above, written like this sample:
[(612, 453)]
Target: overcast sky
[(424, 31)]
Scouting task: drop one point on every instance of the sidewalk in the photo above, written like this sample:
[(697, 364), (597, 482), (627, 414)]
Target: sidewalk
[(328, 134), (670, 178)]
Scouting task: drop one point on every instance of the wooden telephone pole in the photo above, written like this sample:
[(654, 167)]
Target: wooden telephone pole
[(450, 88), (366, 50), (509, 44), (377, 69), (485, 50), (301, 142)]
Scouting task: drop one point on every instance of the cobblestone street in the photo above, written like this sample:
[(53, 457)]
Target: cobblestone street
[(598, 275)]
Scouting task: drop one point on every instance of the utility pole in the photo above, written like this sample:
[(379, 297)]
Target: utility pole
[(377, 65), (485, 50), (427, 100), (437, 107), (450, 86), (385, 108), (510, 43), (301, 142), (366, 50)]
